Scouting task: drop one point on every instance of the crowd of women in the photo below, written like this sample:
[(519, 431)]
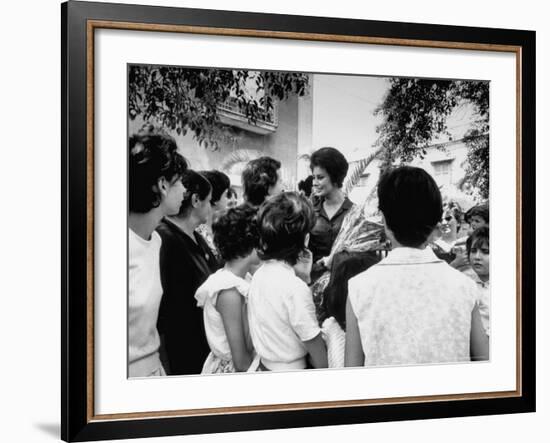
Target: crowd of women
[(295, 280)]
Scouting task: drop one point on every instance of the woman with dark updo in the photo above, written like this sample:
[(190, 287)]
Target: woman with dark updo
[(155, 190), (329, 168)]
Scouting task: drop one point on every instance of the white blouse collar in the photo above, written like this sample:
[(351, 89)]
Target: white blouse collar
[(409, 256)]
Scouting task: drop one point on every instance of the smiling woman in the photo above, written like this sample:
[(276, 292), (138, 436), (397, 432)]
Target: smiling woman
[(329, 168)]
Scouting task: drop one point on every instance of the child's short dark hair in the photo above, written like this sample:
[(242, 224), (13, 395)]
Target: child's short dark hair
[(220, 183), (152, 154), (411, 203), (306, 185), (332, 161), (195, 184), (258, 176), (480, 211), (236, 232), (284, 222), (478, 238)]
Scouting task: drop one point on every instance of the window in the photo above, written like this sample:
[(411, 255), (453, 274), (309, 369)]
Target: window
[(443, 172)]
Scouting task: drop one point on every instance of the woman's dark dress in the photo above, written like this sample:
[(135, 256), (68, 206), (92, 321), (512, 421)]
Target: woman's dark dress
[(184, 266), (325, 231)]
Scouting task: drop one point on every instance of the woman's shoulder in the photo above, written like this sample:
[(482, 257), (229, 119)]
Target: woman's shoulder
[(347, 204), (167, 230)]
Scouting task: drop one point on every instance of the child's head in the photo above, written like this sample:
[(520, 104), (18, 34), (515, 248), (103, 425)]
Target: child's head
[(284, 222), (478, 216), (152, 159), (411, 203), (261, 178), (236, 232), (305, 185), (477, 246)]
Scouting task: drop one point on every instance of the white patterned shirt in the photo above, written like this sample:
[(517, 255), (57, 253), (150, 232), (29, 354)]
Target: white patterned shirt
[(413, 308)]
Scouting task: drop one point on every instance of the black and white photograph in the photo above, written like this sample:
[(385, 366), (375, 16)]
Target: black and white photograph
[(294, 221), (289, 221)]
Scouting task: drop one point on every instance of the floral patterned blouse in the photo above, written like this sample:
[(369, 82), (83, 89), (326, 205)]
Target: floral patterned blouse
[(413, 308)]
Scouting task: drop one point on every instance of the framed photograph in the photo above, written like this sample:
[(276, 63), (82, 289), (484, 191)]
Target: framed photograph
[(299, 166)]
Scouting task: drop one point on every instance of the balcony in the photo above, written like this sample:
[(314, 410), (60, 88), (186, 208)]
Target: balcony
[(231, 115)]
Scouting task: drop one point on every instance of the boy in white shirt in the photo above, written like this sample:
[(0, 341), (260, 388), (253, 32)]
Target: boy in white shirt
[(281, 313)]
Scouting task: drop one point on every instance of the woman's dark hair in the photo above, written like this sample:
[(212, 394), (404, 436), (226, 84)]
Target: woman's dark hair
[(478, 238), (411, 203), (305, 185), (284, 221), (345, 265), (258, 176), (195, 184), (152, 154), (236, 232), (220, 183), (332, 161), (480, 211)]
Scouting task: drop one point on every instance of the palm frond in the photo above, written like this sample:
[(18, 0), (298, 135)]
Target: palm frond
[(239, 156), (353, 178)]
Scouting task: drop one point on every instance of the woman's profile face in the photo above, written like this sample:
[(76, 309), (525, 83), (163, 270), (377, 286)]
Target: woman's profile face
[(204, 209), (222, 204), (173, 197), (322, 185)]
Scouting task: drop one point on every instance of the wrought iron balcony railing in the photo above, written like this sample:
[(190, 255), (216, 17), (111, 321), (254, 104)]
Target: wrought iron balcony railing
[(231, 114)]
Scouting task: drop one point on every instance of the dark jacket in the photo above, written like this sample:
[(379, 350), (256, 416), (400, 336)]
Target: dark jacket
[(184, 266)]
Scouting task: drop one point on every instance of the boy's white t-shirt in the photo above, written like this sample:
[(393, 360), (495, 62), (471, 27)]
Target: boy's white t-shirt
[(281, 313), (144, 295)]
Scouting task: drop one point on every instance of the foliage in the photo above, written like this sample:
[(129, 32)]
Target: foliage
[(188, 99), (414, 111)]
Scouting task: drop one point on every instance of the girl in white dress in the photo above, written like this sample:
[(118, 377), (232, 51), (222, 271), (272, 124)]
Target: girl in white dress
[(223, 296)]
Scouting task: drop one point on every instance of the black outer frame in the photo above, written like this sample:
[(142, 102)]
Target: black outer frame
[(74, 421)]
